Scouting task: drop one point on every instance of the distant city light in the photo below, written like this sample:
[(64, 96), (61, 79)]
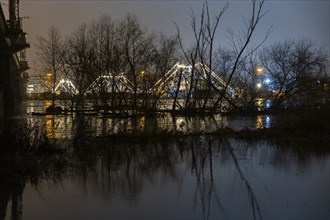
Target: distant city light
[(30, 88), (267, 81), (259, 70)]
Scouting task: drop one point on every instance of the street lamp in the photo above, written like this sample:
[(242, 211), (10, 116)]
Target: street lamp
[(259, 70)]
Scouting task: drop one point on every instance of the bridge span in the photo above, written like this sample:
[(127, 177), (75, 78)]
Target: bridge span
[(179, 77)]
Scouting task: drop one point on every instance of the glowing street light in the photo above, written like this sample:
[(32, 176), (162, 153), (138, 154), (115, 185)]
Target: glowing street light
[(267, 81), (259, 85), (259, 70), (142, 74)]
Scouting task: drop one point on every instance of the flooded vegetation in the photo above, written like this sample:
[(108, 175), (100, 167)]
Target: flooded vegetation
[(120, 122), (89, 166)]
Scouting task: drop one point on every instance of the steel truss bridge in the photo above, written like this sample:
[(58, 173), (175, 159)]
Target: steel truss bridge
[(180, 78)]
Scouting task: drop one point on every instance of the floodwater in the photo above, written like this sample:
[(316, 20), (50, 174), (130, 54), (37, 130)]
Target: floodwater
[(191, 178), (187, 177), (61, 125)]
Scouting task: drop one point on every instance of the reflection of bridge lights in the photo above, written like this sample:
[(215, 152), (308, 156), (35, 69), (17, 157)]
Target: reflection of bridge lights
[(142, 123), (263, 121), (259, 122), (181, 124), (268, 122)]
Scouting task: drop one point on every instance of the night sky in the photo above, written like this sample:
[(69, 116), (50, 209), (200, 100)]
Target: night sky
[(290, 19)]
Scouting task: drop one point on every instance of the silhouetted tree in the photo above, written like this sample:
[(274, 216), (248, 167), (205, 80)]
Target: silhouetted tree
[(166, 55), (246, 84), (50, 55), (78, 61), (242, 49), (137, 48), (204, 51), (295, 66)]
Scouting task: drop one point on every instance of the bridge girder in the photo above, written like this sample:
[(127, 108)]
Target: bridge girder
[(180, 76)]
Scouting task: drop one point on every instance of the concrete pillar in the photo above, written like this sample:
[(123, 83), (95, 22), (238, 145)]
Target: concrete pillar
[(5, 83), (1, 111)]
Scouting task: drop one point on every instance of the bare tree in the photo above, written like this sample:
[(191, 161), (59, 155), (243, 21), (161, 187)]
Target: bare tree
[(207, 54), (295, 66), (192, 56), (240, 45), (102, 40), (137, 49), (246, 83), (204, 51), (50, 54), (165, 57), (78, 63)]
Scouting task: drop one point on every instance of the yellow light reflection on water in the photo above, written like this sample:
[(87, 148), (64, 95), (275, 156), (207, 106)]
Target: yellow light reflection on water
[(51, 127), (259, 122), (263, 121), (142, 123)]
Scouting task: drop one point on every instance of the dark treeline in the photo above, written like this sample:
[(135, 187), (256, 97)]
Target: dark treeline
[(119, 66)]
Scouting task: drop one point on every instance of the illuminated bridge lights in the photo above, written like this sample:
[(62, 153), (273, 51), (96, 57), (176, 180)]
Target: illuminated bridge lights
[(110, 83), (181, 74), (66, 85), (165, 86)]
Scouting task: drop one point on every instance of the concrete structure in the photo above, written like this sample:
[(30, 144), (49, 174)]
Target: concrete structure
[(12, 59)]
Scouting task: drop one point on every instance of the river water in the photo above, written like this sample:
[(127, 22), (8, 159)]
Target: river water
[(187, 177), (61, 125)]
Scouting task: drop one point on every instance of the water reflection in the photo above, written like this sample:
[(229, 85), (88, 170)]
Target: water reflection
[(62, 126), (263, 121), (201, 177), (196, 177)]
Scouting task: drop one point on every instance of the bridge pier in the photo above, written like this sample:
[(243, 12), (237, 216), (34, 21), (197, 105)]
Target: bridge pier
[(12, 42), (5, 86)]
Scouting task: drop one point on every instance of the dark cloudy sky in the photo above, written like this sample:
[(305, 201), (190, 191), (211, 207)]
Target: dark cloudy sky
[(290, 18)]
